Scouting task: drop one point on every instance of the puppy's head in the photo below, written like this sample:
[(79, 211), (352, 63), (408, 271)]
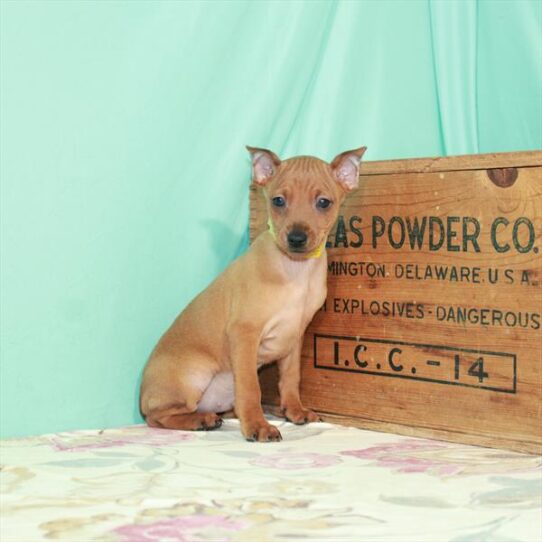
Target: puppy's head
[(303, 196)]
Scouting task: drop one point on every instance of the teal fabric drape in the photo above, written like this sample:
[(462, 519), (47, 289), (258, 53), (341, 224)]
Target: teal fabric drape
[(123, 168), (487, 59)]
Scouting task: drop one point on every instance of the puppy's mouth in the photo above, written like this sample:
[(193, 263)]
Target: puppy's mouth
[(297, 254), (307, 248), (306, 253), (297, 242), (300, 253)]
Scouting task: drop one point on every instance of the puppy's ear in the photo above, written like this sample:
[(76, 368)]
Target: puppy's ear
[(264, 164), (345, 167)]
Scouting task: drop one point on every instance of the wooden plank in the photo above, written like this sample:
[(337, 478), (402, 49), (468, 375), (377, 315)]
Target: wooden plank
[(453, 163), (433, 316), (424, 432)]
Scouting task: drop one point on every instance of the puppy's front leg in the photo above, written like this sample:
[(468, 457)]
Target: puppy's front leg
[(243, 341), (289, 378)]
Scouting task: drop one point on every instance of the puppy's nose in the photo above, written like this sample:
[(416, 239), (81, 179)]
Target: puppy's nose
[(297, 239)]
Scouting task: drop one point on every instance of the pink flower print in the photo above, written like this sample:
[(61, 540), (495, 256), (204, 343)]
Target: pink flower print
[(296, 460), (445, 459), (141, 435), (408, 456), (181, 529)]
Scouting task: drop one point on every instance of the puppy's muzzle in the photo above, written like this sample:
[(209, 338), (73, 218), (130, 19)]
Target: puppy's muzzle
[(297, 240)]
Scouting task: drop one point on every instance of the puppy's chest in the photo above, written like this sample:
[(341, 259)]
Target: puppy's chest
[(291, 315)]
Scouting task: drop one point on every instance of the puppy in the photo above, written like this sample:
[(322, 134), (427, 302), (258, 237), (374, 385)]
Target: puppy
[(257, 310)]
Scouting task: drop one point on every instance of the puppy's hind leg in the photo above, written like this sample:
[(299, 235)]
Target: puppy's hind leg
[(175, 418), (169, 397)]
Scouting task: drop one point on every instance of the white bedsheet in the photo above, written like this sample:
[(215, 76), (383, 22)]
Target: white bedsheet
[(321, 483)]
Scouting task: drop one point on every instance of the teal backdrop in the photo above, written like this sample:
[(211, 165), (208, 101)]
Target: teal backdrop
[(124, 175)]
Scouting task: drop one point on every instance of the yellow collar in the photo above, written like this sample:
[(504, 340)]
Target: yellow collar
[(316, 253)]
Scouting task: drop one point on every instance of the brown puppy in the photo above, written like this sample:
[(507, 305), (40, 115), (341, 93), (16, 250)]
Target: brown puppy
[(257, 310)]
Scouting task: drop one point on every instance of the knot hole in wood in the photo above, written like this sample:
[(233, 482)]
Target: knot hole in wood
[(503, 177)]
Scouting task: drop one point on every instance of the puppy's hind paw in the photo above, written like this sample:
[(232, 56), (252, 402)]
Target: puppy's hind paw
[(210, 422)]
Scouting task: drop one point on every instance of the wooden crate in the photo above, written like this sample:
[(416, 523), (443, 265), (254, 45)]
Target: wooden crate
[(432, 323)]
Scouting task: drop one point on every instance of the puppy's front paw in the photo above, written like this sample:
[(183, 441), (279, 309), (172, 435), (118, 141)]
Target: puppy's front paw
[(300, 415), (261, 431)]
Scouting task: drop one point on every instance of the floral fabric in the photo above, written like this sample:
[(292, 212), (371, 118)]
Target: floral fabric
[(321, 483)]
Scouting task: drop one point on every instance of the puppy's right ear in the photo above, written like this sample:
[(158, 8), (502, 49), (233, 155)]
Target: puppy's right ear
[(264, 164)]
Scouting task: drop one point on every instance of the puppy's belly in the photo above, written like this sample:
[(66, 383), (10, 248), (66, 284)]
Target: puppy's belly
[(219, 395)]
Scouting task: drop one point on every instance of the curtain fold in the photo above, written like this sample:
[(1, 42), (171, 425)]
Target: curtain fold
[(454, 43)]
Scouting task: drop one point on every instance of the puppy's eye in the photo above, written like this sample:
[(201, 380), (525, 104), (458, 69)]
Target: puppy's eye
[(323, 203), (278, 201)]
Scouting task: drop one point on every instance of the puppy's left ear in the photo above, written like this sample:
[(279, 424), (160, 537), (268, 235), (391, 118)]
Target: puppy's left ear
[(345, 167), (264, 164)]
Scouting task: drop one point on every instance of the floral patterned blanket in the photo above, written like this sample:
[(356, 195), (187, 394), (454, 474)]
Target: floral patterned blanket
[(321, 483)]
